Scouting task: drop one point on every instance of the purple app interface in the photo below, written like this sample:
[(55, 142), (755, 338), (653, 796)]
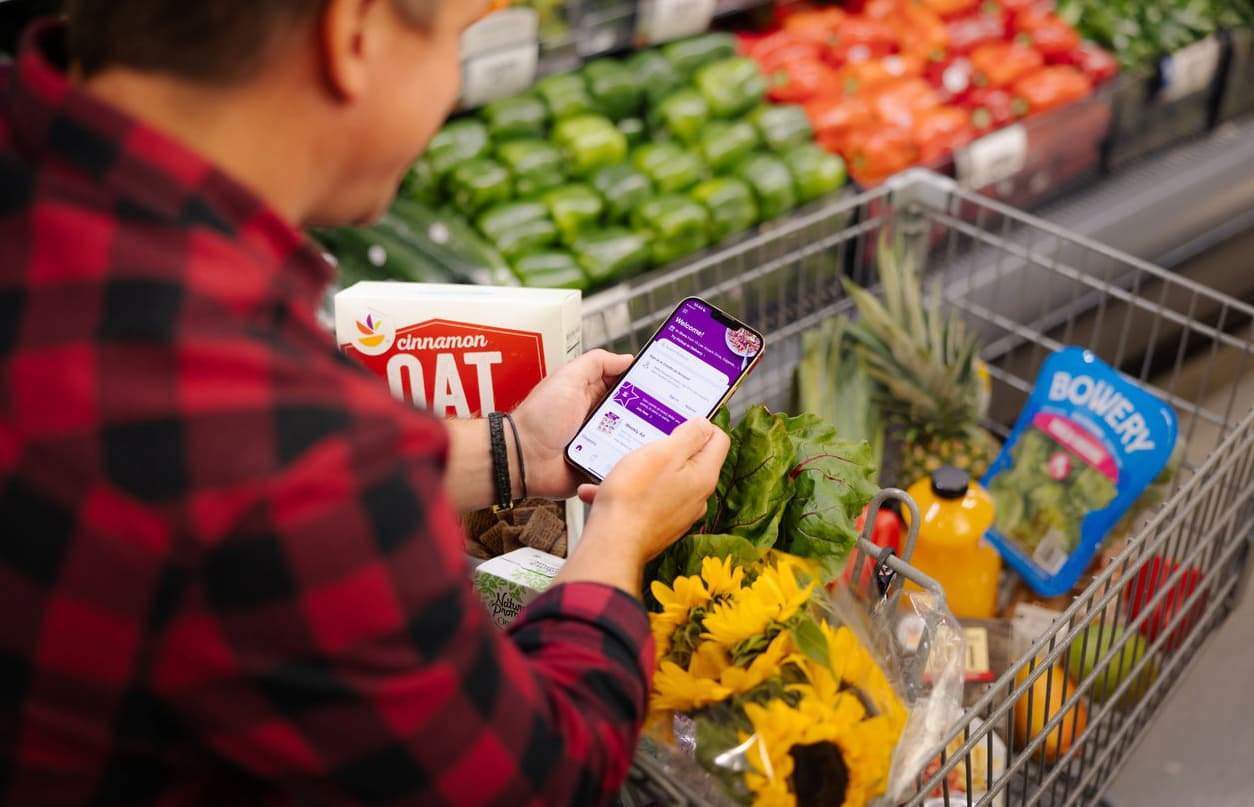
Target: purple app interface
[(690, 366)]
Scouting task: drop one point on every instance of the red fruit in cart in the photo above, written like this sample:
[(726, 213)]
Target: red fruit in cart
[(950, 8), (968, 32), (1048, 34), (1099, 65), (868, 76), (955, 79), (885, 533), (899, 103), (1000, 64), (992, 108), (940, 131), (1052, 87), (801, 80), (859, 39), (874, 153), (1153, 577), (835, 116)]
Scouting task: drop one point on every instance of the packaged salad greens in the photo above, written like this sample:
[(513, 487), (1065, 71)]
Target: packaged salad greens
[(1086, 446)]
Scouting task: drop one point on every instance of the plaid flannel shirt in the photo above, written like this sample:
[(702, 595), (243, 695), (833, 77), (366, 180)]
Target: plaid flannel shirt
[(229, 573)]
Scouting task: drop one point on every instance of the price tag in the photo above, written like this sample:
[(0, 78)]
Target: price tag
[(1190, 70), (993, 158), (501, 56), (665, 20)]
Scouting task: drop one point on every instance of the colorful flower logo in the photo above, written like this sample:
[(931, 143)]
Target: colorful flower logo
[(371, 330)]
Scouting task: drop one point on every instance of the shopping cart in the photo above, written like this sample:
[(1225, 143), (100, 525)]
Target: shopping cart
[(1028, 288)]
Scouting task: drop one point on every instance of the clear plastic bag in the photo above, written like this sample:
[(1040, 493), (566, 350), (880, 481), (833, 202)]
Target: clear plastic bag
[(775, 690)]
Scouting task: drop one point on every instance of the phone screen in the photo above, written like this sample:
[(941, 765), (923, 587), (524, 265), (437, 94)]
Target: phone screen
[(693, 362)]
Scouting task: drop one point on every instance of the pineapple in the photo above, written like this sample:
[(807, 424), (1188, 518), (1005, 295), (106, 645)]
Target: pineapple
[(934, 389)]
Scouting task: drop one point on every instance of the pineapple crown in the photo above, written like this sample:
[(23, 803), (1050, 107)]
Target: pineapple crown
[(925, 361)]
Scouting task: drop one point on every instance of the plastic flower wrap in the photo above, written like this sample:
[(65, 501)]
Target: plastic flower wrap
[(776, 698)]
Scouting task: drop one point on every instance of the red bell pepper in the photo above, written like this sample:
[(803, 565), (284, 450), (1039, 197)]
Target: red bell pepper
[(1099, 65), (1152, 578), (992, 108), (802, 80), (859, 39), (898, 103), (941, 130), (921, 32), (1049, 34), (1000, 64), (1052, 87), (885, 534), (951, 8), (955, 79), (823, 20), (834, 116), (783, 47), (876, 152), (862, 77), (968, 32), (1017, 7), (881, 9)]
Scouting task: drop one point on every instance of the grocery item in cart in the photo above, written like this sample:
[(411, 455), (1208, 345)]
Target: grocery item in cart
[(1086, 446), (463, 351)]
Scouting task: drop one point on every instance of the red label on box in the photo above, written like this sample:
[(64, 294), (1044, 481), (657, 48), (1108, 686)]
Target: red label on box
[(452, 369)]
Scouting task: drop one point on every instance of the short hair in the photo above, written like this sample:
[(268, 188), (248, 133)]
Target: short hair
[(214, 41)]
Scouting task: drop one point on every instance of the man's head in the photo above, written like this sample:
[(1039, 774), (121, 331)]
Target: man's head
[(368, 81)]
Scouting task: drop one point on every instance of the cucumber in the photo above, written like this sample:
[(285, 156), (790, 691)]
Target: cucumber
[(448, 239), (375, 254)]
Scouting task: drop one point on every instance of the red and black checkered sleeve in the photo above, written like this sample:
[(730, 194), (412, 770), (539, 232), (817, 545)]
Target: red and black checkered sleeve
[(328, 640)]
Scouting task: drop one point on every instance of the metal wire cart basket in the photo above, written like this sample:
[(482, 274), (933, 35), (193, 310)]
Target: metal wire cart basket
[(1028, 288)]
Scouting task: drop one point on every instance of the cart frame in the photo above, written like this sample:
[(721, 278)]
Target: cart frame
[(1028, 288)]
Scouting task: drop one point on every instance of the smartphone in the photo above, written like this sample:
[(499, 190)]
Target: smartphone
[(690, 367)]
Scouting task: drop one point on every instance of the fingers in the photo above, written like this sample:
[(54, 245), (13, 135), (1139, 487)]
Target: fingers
[(587, 493), (690, 438), (709, 458)]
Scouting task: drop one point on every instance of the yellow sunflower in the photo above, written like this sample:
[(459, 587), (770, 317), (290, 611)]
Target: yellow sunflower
[(855, 666), (676, 688), (688, 593), (722, 577), (767, 665), (774, 597)]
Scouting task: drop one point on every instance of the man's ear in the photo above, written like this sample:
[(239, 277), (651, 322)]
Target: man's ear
[(345, 30)]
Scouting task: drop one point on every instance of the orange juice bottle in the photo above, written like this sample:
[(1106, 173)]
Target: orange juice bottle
[(951, 548)]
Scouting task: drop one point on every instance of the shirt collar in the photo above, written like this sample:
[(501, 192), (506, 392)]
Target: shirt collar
[(52, 120)]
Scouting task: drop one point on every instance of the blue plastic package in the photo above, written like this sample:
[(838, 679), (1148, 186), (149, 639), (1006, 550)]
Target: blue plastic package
[(1087, 444)]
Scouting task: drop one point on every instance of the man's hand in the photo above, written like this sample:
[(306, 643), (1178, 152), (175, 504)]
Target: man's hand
[(650, 499), (548, 419)]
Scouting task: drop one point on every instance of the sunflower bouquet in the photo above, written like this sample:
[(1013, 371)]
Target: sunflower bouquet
[(781, 703)]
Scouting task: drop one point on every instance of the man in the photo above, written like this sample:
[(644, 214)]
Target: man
[(230, 567)]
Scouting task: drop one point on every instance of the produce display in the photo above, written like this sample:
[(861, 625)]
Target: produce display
[(1139, 31), (904, 83), (597, 175)]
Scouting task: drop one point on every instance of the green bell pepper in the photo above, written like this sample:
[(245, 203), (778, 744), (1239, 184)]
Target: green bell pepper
[(456, 143), (771, 182), (688, 56), (671, 167), (527, 237), (682, 114), (655, 72), (612, 254), (574, 209), (616, 90), (535, 165), (623, 189), (550, 269), (566, 95), (634, 130), (515, 117), (479, 183), (590, 142), (733, 208), (420, 183), (782, 126), (724, 144), (731, 87), (675, 227), (499, 219), (815, 172)]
